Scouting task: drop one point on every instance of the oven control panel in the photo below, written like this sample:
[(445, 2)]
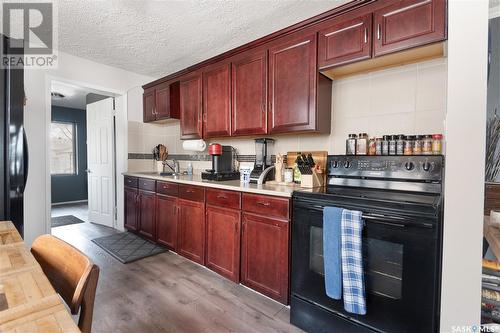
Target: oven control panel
[(427, 168)]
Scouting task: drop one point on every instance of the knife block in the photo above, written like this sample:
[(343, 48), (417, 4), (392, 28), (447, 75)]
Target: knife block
[(313, 180)]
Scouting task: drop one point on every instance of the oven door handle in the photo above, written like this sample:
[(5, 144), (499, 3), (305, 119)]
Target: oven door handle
[(391, 220)]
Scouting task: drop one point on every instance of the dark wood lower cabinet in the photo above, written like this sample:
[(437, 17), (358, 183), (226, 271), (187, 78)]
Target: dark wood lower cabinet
[(264, 256), (191, 230), (167, 218), (147, 214), (223, 241), (131, 209), (241, 237)]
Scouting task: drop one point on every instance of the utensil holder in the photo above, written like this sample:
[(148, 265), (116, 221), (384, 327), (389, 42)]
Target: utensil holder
[(159, 166)]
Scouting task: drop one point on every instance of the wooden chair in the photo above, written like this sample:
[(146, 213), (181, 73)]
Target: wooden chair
[(71, 273)]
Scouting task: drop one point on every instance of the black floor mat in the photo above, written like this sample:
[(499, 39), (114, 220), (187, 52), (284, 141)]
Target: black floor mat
[(127, 247), (59, 221)]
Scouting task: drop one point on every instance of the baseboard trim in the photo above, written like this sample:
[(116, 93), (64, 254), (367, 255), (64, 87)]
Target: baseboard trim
[(68, 202)]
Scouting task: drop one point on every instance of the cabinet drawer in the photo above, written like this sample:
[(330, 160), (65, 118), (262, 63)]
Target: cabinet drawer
[(131, 182), (225, 199), (193, 193), (147, 184), (266, 205), (167, 188)]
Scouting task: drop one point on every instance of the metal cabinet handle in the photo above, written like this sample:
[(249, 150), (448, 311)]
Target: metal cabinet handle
[(266, 204), (366, 35), (221, 196), (189, 191), (379, 31)]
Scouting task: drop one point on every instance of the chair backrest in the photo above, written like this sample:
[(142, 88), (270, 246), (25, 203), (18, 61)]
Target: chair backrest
[(71, 273)]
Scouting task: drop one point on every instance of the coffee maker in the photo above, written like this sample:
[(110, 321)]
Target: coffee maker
[(223, 158), (263, 169)]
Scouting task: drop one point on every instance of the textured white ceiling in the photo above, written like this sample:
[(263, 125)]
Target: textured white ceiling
[(75, 97), (156, 37)]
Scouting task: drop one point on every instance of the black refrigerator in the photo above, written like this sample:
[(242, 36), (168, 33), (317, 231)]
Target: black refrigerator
[(13, 144)]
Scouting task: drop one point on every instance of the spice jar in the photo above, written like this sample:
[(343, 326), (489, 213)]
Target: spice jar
[(288, 175), (408, 145), (378, 146), (400, 144), (362, 144), (427, 145), (350, 145), (372, 148), (417, 145), (437, 145), (385, 145), (392, 145)]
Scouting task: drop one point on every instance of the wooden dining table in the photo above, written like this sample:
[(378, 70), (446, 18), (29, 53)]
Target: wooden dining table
[(28, 302)]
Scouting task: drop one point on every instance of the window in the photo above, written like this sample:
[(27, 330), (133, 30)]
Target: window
[(62, 148)]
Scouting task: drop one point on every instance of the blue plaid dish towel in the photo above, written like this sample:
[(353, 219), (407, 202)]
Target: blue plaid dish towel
[(352, 262)]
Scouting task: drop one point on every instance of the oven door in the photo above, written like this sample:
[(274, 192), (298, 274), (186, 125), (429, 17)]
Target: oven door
[(400, 263)]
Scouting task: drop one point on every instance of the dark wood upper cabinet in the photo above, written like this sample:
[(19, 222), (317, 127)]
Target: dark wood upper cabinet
[(223, 241), (191, 106), (347, 38), (264, 256), (131, 208), (147, 223), (249, 93), (217, 101), (161, 102), (191, 230), (409, 23), (149, 105), (166, 220), (293, 87)]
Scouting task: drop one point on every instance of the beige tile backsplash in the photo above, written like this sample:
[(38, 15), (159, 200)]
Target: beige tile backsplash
[(408, 99)]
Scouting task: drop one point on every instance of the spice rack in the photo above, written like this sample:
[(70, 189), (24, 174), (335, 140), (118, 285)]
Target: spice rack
[(401, 144)]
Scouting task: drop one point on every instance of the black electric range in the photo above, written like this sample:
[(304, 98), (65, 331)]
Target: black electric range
[(402, 203)]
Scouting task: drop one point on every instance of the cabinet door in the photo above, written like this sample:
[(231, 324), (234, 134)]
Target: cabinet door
[(345, 40), (264, 256), (190, 107), (166, 221), (292, 85), (223, 241), (191, 232), (131, 211), (249, 94), (163, 101), (147, 214), (148, 104), (217, 101), (409, 23)]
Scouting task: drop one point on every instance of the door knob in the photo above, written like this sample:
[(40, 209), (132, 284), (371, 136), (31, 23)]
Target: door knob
[(88, 171)]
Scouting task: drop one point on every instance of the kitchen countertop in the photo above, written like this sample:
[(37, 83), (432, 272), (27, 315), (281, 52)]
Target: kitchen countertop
[(232, 185)]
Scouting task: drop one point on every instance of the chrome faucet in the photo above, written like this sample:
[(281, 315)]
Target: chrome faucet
[(176, 168)]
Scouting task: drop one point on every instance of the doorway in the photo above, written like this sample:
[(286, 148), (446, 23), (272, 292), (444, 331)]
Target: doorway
[(82, 156)]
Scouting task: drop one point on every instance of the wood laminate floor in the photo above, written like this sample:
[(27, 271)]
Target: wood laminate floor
[(167, 293)]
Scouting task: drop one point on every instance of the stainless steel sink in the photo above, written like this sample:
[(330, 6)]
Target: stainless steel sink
[(154, 173)]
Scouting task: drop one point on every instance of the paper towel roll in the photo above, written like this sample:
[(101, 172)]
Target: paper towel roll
[(194, 145)]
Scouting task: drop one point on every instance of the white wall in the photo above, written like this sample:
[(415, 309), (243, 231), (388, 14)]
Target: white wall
[(408, 99), (465, 152), (37, 118)]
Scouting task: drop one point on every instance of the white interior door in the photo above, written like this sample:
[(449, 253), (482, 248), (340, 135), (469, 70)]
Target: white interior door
[(101, 162)]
